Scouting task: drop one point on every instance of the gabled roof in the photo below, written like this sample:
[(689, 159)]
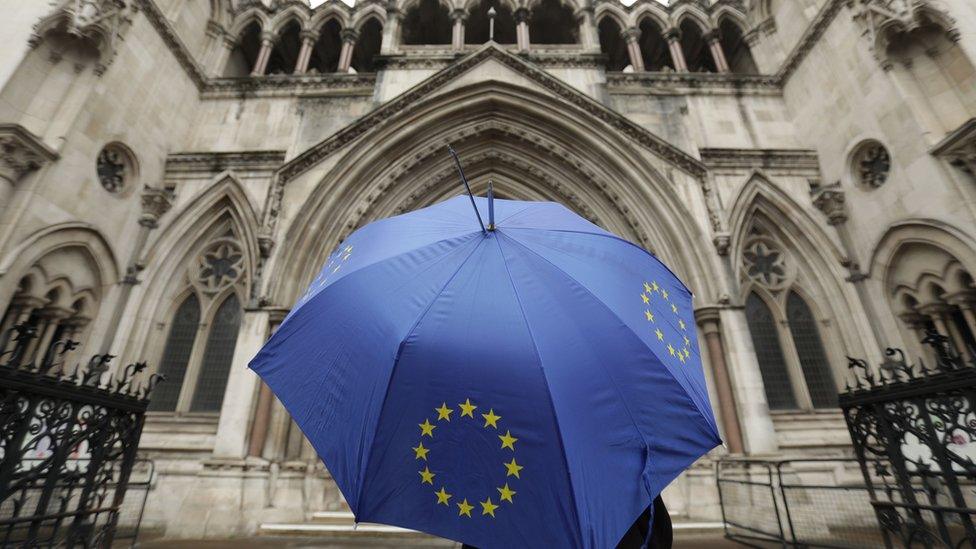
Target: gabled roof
[(490, 51)]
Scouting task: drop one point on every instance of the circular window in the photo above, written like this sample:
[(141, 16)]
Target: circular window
[(871, 164), (115, 167)]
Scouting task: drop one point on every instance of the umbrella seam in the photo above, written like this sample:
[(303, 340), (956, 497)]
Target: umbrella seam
[(613, 237), (552, 406), (396, 361), (612, 312)]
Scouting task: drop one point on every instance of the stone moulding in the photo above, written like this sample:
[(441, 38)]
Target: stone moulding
[(687, 83), (21, 152), (959, 147), (216, 162), (805, 160), (290, 85)]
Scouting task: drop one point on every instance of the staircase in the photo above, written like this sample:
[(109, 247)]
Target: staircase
[(337, 527)]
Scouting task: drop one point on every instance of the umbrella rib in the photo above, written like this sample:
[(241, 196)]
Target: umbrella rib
[(601, 303), (552, 406), (396, 360)]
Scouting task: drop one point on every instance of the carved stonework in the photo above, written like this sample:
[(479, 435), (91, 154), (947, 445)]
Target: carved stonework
[(100, 22), (21, 152), (832, 202), (884, 19), (959, 148), (155, 202)]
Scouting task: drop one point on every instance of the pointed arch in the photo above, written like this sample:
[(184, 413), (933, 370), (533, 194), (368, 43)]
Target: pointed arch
[(614, 12), (332, 11), (248, 16), (295, 12), (652, 11), (367, 12), (690, 13)]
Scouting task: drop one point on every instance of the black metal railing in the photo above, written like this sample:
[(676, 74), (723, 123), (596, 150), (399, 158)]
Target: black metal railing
[(796, 503), (68, 440), (913, 427)]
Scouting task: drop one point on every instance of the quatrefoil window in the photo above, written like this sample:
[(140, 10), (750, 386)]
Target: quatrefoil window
[(765, 264), (115, 167), (871, 164)]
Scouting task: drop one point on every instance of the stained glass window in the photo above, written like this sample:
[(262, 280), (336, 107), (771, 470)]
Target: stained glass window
[(813, 359), (772, 364), (209, 392), (179, 345)]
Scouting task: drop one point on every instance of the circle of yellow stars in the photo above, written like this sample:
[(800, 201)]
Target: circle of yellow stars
[(507, 442), (336, 260), (655, 300)]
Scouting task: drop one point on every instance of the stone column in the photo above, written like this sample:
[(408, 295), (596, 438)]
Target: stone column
[(940, 315), (715, 47), (391, 30), (632, 37), (21, 152), (589, 37), (155, 203), (915, 322), (222, 56), (709, 321), (262, 413), (457, 32), (264, 54), (348, 44), (21, 307), (522, 29), (966, 301), (673, 36), (239, 397), (309, 38)]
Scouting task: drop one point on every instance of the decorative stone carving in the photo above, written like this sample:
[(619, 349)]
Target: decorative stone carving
[(882, 19), (100, 22), (832, 202), (959, 147), (155, 203), (764, 263), (219, 266), (21, 152), (871, 164)]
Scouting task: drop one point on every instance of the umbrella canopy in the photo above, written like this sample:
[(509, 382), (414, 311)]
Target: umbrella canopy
[(536, 385)]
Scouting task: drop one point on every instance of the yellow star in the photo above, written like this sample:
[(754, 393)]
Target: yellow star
[(687, 353), (506, 493), (444, 412), (664, 294), (670, 349), (687, 341), (426, 476), (336, 269), (427, 428), (491, 418), (508, 441), (513, 469), (649, 315), (681, 323), (465, 508), (421, 452), (348, 249), (345, 257), (488, 508), (467, 409), (674, 309), (442, 496), (647, 288), (681, 358), (660, 334), (654, 284), (645, 298)]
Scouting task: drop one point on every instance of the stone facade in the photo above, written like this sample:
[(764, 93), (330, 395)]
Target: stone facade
[(174, 172)]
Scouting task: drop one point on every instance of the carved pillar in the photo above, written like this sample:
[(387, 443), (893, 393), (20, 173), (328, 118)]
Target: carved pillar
[(21, 153), (718, 55), (522, 29), (915, 322), (391, 30), (348, 44), (264, 54), (673, 36), (940, 313), (632, 36), (222, 56), (457, 32), (710, 323), (832, 202), (966, 301), (20, 308), (50, 317), (589, 37), (309, 38), (262, 413)]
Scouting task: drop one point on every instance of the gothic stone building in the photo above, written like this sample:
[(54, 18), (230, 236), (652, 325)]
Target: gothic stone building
[(174, 172)]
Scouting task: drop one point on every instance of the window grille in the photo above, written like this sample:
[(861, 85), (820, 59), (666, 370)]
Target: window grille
[(209, 393), (809, 347), (179, 345), (772, 364)]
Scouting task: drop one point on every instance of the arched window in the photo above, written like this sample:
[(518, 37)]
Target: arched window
[(284, 56), (552, 22), (476, 27), (427, 22), (176, 355), (209, 392), (654, 48), (325, 53), (809, 348), (613, 45), (772, 363), (696, 51), (367, 46), (736, 49), (245, 54)]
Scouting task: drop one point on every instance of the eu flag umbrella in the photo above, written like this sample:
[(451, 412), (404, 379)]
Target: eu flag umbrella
[(535, 384)]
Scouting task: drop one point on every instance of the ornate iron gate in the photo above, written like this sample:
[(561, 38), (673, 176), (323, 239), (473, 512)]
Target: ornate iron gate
[(68, 440), (914, 433)]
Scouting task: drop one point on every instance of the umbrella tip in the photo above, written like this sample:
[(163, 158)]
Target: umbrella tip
[(491, 206)]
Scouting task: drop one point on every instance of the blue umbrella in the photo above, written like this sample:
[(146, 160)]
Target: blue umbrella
[(535, 384)]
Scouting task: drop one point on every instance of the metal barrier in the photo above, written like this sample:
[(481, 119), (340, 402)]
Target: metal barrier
[(767, 503)]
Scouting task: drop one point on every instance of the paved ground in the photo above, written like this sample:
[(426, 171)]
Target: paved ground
[(709, 542)]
